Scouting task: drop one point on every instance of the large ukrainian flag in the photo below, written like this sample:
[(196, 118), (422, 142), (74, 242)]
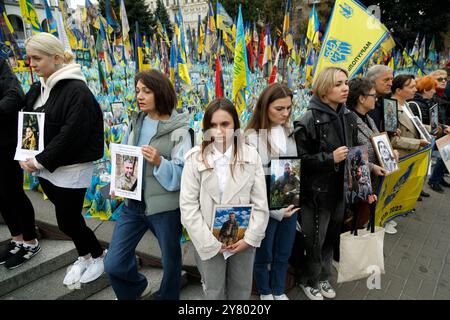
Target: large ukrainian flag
[(352, 36)]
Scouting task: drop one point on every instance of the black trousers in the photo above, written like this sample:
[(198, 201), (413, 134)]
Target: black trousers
[(68, 207), (321, 225), (15, 207)]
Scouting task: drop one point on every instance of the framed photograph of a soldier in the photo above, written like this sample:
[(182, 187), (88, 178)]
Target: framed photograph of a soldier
[(284, 184), (126, 171), (443, 145), (357, 183), (421, 128), (117, 109), (230, 222), (30, 135), (390, 114), (385, 154), (434, 118)]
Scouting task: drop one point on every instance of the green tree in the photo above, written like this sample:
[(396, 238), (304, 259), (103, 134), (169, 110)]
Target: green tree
[(137, 10), (406, 18), (163, 16)]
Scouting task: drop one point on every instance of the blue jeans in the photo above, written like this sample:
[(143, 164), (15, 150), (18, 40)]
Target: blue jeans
[(438, 172), (274, 253), (120, 261)]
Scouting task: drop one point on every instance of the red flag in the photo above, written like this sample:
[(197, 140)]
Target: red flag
[(273, 74), (219, 79), (261, 49), (250, 54)]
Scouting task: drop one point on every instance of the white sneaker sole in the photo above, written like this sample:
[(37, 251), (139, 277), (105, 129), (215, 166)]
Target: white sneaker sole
[(309, 295)]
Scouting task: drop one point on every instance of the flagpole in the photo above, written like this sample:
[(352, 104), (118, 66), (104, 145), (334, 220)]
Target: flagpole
[(412, 58)]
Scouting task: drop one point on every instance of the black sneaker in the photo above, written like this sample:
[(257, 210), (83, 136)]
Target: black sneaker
[(8, 251), (436, 187), (445, 183), (424, 194), (23, 255)]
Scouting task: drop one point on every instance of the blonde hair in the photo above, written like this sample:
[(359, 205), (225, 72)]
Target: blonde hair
[(49, 45), (435, 74), (325, 80)]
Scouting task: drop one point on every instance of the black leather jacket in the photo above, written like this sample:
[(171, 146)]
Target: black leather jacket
[(318, 133)]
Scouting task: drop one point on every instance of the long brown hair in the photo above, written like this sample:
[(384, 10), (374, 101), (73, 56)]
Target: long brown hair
[(260, 117), (227, 106), (163, 90)]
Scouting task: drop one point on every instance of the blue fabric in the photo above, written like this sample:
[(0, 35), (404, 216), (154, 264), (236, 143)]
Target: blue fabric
[(120, 261), (437, 176), (274, 251)]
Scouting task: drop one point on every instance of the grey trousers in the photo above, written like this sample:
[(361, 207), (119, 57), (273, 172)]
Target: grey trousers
[(229, 279)]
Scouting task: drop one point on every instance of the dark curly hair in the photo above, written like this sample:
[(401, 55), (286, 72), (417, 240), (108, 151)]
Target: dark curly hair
[(358, 87)]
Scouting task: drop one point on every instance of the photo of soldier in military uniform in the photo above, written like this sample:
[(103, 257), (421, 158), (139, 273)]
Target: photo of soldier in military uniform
[(230, 222), (126, 171), (357, 184), (284, 183), (390, 115), (126, 178)]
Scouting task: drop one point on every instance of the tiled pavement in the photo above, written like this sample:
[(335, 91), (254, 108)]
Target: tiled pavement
[(417, 258)]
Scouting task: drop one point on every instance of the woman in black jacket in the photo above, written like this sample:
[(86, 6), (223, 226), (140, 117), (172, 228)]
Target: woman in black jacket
[(15, 207), (324, 135), (73, 139)]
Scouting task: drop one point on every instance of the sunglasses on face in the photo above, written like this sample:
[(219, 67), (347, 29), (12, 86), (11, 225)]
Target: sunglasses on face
[(441, 79)]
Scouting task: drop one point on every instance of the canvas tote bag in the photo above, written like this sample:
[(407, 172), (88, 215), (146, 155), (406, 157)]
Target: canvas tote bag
[(361, 251)]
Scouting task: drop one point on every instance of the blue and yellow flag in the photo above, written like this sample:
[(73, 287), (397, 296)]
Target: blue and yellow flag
[(399, 191), (240, 68), (52, 26), (29, 15), (173, 62), (287, 28), (224, 21), (346, 49), (312, 33)]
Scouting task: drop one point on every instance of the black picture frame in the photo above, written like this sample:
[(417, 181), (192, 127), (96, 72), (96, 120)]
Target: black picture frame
[(434, 118), (291, 196), (390, 119)]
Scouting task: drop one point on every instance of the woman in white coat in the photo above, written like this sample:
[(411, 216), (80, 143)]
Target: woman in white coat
[(223, 170)]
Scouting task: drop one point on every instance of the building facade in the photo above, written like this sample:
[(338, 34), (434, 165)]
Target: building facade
[(12, 9), (191, 9)]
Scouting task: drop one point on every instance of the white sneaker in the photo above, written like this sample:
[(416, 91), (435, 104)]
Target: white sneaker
[(312, 293), (75, 272), (392, 223), (388, 228), (281, 297), (94, 270), (266, 297), (327, 290)]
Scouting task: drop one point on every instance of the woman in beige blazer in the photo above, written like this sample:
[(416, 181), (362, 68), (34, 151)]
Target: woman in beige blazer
[(223, 170), (409, 141)]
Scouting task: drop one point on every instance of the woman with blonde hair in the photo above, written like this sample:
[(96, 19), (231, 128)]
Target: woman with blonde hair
[(73, 139), (324, 135), (29, 141)]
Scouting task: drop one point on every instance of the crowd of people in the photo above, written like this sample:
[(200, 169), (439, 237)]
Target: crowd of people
[(182, 182)]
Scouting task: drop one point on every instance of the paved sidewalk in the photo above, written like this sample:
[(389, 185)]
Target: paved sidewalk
[(417, 257)]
